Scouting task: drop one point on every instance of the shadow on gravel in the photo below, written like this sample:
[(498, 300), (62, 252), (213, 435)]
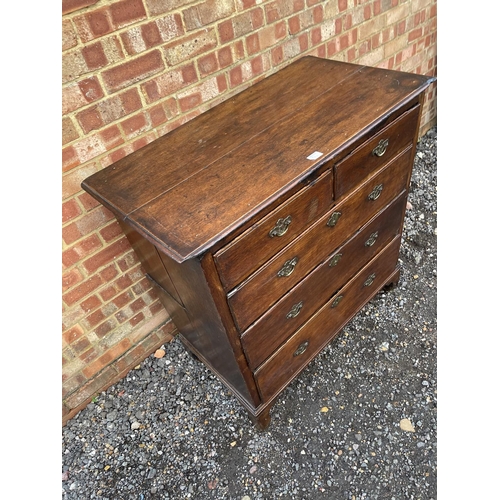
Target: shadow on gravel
[(359, 423)]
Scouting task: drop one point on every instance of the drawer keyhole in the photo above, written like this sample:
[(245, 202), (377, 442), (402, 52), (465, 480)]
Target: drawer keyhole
[(288, 267), (369, 281), (337, 301), (333, 219), (335, 260), (295, 310), (302, 348), (371, 240), (376, 192), (381, 147), (281, 227)]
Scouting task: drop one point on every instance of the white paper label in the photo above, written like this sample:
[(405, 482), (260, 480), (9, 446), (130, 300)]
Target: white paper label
[(315, 155)]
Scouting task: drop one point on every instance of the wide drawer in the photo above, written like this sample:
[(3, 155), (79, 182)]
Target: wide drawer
[(237, 260), (265, 335), (375, 152), (285, 270), (294, 355)]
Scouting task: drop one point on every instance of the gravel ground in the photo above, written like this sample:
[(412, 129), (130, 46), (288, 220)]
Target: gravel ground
[(359, 423)]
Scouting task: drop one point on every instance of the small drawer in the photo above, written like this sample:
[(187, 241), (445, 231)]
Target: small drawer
[(285, 270), (264, 336), (237, 260), (375, 152), (293, 356)]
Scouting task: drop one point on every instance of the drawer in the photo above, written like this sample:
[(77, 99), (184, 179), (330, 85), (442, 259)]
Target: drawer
[(375, 152), (294, 355), (237, 260), (264, 336), (262, 289)]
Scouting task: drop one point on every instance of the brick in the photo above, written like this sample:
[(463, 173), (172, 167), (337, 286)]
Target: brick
[(107, 255), (77, 95), (156, 7), (111, 231), (208, 64), (71, 279), (278, 10), (225, 57), (190, 101), (134, 125), (93, 220), (186, 48), (140, 38), (170, 27), (252, 43), (137, 319), (72, 180), (413, 35), (70, 257), (94, 56), (69, 132), (342, 5), (104, 328), (70, 210), (294, 25), (90, 119), (133, 71), (73, 66), (81, 345), (88, 246), (126, 12), (79, 292), (226, 31), (69, 158), (69, 39), (73, 334), (73, 5), (207, 12), (94, 24), (109, 273), (169, 82), (90, 303)]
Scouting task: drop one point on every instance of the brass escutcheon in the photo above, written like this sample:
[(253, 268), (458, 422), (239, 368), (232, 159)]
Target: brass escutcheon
[(333, 219), (369, 280), (295, 310), (371, 240), (302, 348), (288, 267), (376, 192), (337, 301), (281, 227), (335, 260), (381, 147)]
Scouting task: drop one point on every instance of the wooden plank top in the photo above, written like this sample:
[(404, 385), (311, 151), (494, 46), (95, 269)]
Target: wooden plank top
[(192, 187)]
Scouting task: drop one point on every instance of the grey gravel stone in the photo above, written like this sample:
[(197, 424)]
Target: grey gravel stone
[(171, 430)]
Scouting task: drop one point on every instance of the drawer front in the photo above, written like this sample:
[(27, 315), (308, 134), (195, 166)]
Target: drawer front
[(294, 355), (375, 152), (265, 335), (285, 270), (250, 250)]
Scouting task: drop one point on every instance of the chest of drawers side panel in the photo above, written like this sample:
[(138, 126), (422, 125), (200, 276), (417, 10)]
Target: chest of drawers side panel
[(212, 336)]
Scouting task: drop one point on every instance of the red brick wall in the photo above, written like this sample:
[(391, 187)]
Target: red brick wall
[(134, 70)]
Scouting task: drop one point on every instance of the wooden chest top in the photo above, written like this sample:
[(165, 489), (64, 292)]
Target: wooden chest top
[(191, 188)]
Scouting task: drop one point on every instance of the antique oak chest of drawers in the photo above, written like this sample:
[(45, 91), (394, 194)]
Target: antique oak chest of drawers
[(269, 221)]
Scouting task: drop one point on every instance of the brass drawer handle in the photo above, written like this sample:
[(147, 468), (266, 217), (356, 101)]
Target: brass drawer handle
[(337, 301), (335, 260), (295, 310), (333, 219), (302, 348), (281, 227), (376, 192), (371, 240), (288, 267), (369, 281), (381, 147)]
